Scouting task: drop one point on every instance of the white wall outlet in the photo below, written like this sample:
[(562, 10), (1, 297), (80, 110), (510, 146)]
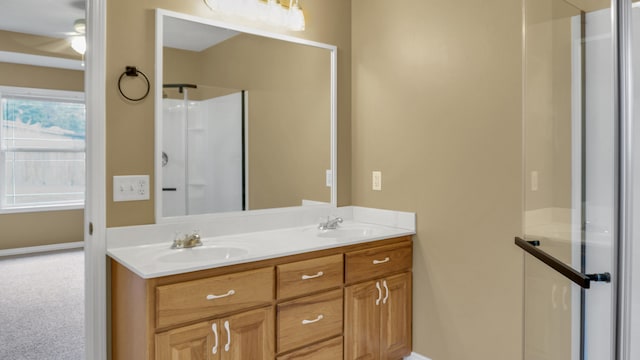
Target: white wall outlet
[(329, 178), (376, 180), (131, 188), (534, 181)]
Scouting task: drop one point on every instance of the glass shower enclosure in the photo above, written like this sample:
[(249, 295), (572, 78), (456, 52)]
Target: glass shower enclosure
[(577, 218)]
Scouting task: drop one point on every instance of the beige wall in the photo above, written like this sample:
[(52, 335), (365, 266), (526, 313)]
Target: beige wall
[(131, 41), (437, 108), (42, 228)]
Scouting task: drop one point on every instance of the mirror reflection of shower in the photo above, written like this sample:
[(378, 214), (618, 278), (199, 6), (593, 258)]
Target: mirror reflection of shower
[(203, 150)]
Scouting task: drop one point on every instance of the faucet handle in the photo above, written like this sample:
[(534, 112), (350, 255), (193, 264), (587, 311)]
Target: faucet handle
[(178, 241), (194, 238)]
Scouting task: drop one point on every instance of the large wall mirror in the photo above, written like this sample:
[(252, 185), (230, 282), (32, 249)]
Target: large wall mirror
[(245, 119)]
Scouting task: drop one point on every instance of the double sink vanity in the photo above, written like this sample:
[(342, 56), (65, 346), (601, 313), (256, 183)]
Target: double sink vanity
[(234, 267), (281, 289)]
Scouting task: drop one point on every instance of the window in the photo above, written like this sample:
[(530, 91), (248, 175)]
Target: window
[(42, 149)]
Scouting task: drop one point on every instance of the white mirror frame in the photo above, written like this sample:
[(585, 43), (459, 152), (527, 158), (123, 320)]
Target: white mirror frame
[(160, 14)]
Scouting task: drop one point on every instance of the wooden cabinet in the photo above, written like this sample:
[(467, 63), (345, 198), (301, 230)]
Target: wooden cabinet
[(198, 299), (305, 277), (309, 319), (303, 321), (186, 343), (188, 316), (351, 302), (378, 312), (243, 336), (326, 350)]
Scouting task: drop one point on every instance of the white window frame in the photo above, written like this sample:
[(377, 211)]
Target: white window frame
[(45, 94)]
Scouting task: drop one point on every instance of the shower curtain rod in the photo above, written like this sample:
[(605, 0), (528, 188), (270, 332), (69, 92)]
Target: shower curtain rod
[(179, 86)]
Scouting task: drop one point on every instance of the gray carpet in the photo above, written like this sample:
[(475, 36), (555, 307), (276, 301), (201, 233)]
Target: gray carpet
[(42, 306)]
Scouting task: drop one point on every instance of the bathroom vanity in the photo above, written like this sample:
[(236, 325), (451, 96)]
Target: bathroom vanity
[(348, 296)]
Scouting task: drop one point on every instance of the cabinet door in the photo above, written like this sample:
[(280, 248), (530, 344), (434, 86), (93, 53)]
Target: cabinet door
[(194, 342), (362, 321), (248, 335), (395, 315)]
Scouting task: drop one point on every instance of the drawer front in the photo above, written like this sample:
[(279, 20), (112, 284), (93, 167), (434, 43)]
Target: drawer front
[(198, 299), (327, 350), (304, 277), (309, 319), (376, 262)]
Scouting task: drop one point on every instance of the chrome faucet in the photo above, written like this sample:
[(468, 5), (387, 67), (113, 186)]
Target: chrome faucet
[(187, 241), (330, 224)]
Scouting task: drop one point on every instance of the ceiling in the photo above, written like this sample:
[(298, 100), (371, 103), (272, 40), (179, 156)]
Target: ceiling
[(193, 36), (52, 18)]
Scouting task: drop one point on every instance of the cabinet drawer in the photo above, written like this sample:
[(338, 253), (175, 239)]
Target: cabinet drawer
[(377, 262), (327, 350), (199, 299), (304, 277), (305, 320)]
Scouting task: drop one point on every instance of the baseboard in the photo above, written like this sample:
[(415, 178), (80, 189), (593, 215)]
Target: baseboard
[(415, 356), (43, 248)]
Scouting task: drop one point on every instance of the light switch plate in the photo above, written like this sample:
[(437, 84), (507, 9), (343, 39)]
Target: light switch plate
[(131, 188), (329, 178), (376, 180)]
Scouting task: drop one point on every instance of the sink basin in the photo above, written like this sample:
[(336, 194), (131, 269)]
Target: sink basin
[(203, 253), (350, 232)]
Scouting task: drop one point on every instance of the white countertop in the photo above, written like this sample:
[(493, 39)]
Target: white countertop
[(158, 259)]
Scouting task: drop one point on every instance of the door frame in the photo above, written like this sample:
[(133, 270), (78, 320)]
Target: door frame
[(95, 198), (622, 23)]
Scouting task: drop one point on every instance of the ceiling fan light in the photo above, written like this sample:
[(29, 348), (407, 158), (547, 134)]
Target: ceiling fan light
[(79, 44), (80, 26)]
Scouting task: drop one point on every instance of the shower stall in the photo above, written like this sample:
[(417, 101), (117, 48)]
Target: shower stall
[(580, 234), (203, 150)]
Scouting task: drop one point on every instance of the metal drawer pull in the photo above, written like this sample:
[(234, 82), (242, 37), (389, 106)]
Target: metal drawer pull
[(386, 294), (228, 344), (214, 327), (376, 262), (213, 297), (379, 293), (305, 322), (307, 277)]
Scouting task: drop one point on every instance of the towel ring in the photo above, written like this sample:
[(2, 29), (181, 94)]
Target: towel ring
[(132, 71)]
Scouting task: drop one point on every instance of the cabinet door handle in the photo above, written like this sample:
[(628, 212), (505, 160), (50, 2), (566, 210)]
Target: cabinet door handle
[(226, 328), (386, 294), (213, 297), (214, 327), (379, 293), (307, 277), (306, 322), (376, 262)]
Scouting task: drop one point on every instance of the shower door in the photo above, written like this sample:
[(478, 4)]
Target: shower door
[(570, 157)]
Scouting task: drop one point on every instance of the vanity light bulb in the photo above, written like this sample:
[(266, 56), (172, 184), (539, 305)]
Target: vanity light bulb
[(296, 18), (270, 12)]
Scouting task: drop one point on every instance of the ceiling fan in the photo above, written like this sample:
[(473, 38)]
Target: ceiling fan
[(78, 39)]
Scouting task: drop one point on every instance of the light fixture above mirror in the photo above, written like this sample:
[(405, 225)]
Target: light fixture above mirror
[(272, 12)]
